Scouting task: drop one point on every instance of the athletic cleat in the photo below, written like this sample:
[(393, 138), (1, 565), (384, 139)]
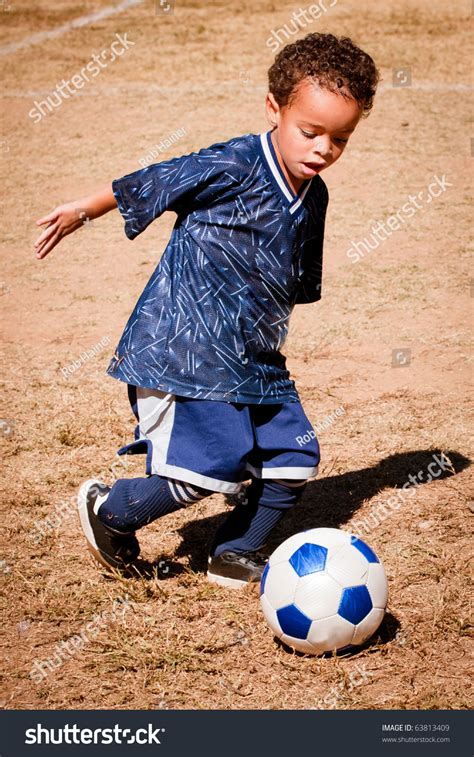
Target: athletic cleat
[(236, 569), (111, 548)]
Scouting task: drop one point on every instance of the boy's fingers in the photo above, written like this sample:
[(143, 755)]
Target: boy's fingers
[(51, 217), (39, 249), (46, 234), (48, 246), (54, 235)]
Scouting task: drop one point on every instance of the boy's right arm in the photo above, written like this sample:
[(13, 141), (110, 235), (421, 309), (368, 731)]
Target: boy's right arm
[(66, 218)]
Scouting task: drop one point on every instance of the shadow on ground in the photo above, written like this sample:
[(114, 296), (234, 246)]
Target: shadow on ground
[(330, 502), (388, 631)]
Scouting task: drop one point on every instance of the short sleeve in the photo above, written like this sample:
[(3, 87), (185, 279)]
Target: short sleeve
[(180, 184), (309, 289)]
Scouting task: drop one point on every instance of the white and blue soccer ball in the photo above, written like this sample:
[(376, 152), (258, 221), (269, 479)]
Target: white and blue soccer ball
[(323, 590)]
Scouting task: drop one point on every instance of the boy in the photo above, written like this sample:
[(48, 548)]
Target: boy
[(201, 351)]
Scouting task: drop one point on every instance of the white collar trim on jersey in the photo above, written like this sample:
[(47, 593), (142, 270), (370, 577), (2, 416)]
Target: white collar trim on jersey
[(295, 201)]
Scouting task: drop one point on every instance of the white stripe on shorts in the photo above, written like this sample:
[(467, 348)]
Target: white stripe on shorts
[(283, 472), (292, 484)]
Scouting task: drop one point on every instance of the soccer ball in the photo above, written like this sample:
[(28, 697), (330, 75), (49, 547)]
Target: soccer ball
[(323, 590)]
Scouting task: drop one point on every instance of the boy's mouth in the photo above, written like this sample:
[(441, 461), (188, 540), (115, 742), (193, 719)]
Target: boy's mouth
[(314, 167)]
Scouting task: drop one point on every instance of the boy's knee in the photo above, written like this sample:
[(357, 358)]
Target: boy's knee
[(293, 483), (295, 486), (281, 492), (185, 493)]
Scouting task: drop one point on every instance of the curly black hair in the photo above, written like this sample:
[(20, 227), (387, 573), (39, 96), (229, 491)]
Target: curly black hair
[(335, 63)]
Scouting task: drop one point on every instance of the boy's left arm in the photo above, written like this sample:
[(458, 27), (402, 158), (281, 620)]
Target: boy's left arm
[(179, 184), (309, 289)]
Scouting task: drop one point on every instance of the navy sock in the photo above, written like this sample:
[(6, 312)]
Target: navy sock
[(249, 525), (135, 502), (246, 529)]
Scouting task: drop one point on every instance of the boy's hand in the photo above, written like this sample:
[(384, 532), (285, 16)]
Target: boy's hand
[(67, 218), (61, 221)]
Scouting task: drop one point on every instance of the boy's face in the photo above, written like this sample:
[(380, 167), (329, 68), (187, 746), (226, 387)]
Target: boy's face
[(312, 131)]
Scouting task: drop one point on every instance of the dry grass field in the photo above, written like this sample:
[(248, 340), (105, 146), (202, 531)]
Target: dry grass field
[(389, 343)]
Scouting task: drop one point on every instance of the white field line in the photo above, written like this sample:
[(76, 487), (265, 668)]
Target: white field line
[(118, 89), (77, 23), (429, 87)]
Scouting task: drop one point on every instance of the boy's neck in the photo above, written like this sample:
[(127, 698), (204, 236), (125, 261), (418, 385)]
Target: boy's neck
[(293, 181)]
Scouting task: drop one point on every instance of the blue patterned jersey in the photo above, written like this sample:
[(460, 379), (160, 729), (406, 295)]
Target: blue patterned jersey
[(244, 250)]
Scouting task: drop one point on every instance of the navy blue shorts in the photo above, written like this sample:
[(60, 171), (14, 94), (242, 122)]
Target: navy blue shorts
[(218, 445)]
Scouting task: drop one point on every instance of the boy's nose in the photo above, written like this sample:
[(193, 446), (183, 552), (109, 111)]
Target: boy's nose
[(322, 147)]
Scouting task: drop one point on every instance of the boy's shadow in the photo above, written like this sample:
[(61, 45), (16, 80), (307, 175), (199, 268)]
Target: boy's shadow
[(331, 501)]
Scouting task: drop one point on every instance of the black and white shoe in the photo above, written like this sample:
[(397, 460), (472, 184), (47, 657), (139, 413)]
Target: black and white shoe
[(236, 569), (111, 548)]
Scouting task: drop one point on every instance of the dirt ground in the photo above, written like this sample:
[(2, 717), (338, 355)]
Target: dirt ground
[(389, 343)]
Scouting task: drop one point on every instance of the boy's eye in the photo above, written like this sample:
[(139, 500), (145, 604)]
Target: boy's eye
[(312, 136)]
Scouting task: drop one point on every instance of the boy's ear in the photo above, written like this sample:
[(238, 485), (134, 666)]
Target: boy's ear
[(272, 109)]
